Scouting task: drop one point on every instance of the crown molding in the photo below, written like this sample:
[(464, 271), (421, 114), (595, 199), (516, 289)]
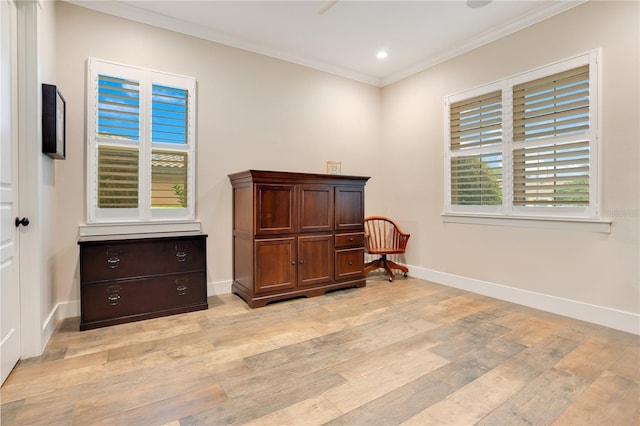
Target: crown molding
[(133, 13), (497, 33), (136, 14)]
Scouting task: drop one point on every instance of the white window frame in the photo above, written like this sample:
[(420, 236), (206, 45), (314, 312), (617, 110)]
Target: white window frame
[(507, 210), (144, 213)]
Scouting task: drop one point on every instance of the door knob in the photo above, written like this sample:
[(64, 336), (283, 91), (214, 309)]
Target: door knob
[(24, 221)]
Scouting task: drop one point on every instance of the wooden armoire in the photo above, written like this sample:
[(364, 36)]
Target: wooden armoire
[(296, 234)]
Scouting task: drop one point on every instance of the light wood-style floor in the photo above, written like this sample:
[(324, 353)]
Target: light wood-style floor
[(408, 352)]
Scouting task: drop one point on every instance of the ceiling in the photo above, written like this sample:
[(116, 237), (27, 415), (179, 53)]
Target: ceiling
[(342, 37)]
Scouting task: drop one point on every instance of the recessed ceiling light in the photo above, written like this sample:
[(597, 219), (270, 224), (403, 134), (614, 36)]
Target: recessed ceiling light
[(381, 54)]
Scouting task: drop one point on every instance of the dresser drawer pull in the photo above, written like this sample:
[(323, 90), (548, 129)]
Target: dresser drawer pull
[(113, 299), (113, 262), (350, 263), (181, 286), (181, 256)]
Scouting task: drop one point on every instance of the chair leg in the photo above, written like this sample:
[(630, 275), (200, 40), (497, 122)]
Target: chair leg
[(388, 265), (389, 269), (373, 265), (394, 265)]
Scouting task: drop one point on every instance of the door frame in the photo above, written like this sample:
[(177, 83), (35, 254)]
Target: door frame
[(9, 112), (30, 178)]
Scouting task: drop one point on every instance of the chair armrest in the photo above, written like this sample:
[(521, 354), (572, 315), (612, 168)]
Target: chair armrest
[(402, 239)]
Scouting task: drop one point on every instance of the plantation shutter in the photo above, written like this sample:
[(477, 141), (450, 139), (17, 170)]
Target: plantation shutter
[(477, 179), (118, 108), (551, 175), (118, 120), (169, 179), (476, 165), (141, 144), (169, 114), (476, 122), (552, 106), (169, 166), (554, 113), (117, 177)]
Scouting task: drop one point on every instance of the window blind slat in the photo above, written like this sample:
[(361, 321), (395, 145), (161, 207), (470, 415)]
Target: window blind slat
[(469, 131), (169, 114), (117, 177), (476, 179), (481, 143), (555, 175), (557, 79), (118, 108), (480, 114), (555, 159), (169, 179), (560, 94), (486, 99), (553, 112), (533, 97), (476, 122), (552, 106), (549, 201), (531, 179), (546, 156), (565, 147), (557, 128)]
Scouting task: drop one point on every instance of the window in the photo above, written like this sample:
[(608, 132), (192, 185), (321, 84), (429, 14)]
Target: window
[(141, 152), (476, 140), (526, 146)]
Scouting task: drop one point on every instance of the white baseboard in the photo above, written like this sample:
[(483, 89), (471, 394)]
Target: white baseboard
[(219, 287), (49, 326), (613, 318), (61, 311)]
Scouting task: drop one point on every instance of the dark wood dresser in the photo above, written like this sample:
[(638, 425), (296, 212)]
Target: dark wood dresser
[(296, 234), (131, 279)]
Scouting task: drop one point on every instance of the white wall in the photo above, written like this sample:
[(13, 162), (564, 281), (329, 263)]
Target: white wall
[(253, 112), (49, 215), (593, 268), (262, 113)]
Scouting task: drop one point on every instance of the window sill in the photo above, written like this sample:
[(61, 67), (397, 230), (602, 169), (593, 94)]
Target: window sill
[(567, 224), (133, 229)]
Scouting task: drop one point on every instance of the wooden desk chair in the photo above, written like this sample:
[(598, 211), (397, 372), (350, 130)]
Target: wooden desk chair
[(384, 237)]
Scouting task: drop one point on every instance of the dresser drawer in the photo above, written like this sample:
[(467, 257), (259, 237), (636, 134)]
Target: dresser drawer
[(349, 263), (355, 239), (131, 259), (142, 296)]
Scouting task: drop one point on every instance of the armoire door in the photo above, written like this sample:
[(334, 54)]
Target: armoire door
[(349, 208), (316, 208), (315, 260), (276, 211), (275, 264)]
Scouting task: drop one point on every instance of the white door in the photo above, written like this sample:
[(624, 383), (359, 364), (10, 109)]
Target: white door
[(9, 233)]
